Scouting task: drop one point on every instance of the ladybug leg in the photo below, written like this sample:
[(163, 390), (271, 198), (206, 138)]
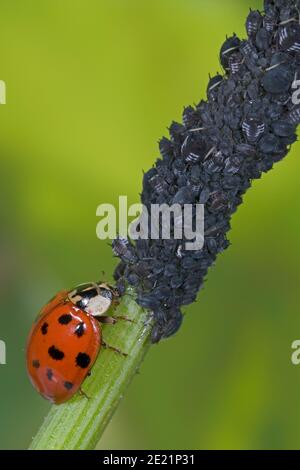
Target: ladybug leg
[(112, 348), (115, 303), (122, 317), (106, 320), (83, 394), (112, 320)]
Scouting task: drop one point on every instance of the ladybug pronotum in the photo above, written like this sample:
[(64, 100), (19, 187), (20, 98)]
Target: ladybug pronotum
[(66, 338)]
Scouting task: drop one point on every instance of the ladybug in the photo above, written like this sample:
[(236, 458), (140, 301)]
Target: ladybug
[(66, 338)]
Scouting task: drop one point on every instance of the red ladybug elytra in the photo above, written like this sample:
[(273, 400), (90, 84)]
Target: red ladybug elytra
[(65, 340)]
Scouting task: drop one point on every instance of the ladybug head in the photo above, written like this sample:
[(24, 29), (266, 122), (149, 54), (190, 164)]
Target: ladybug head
[(93, 298)]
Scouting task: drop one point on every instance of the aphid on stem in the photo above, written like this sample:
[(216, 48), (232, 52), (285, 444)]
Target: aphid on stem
[(230, 45), (253, 129), (294, 116), (289, 37), (253, 23), (124, 249), (213, 85), (234, 62)]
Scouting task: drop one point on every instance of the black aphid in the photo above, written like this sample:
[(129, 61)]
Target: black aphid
[(218, 201), (158, 183), (283, 128), (270, 144), (123, 249), (189, 117), (249, 52), (269, 23), (294, 116), (262, 40), (253, 23), (253, 129), (289, 37), (193, 149), (230, 45), (234, 62), (278, 79), (213, 85), (166, 148)]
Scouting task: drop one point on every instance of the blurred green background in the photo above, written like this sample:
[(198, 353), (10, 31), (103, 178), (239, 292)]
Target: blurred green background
[(91, 87)]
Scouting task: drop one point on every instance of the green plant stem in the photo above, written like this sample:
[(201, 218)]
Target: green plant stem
[(79, 423)]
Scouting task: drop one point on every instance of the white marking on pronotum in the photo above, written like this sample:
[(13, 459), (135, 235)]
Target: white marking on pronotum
[(2, 352)]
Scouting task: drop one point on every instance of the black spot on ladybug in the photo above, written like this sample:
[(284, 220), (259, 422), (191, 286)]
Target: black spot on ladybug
[(65, 319), (55, 353), (49, 374), (68, 385), (83, 360), (79, 330), (35, 363), (44, 328)]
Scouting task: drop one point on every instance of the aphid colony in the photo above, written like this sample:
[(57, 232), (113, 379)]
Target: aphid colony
[(246, 125)]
